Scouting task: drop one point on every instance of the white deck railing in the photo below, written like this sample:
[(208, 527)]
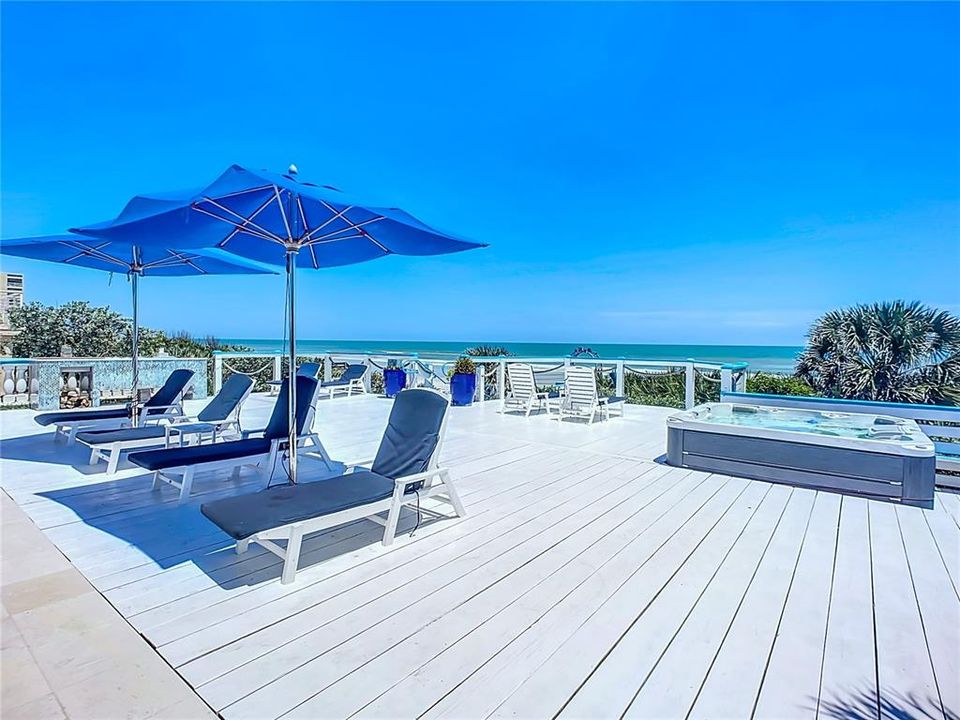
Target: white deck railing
[(431, 370)]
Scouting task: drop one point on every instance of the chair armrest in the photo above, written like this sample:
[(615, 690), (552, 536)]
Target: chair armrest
[(360, 463), (151, 408), (245, 434), (417, 477)]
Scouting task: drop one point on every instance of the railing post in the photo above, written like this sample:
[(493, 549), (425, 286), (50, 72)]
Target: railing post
[(690, 385), (217, 372), (327, 368), (726, 378), (481, 382), (501, 378), (367, 373), (619, 389), (277, 367)]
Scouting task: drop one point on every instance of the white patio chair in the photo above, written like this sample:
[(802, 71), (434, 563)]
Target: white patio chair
[(523, 395), (581, 399)]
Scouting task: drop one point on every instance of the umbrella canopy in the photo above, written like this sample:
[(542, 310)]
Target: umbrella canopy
[(134, 261), (259, 215), (273, 218)]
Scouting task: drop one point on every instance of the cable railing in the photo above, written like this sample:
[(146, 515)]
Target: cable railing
[(654, 382)]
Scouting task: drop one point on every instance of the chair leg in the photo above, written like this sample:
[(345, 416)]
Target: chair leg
[(156, 480), (72, 435), (292, 558), (94, 456), (114, 459), (390, 527), (243, 546), (452, 494), (186, 484)]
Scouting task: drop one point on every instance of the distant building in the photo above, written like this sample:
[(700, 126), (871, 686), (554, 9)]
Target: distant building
[(11, 296)]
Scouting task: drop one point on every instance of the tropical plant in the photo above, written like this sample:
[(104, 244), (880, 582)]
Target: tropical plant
[(488, 351), (489, 368), (891, 351), (87, 330), (90, 331), (464, 366), (776, 384)]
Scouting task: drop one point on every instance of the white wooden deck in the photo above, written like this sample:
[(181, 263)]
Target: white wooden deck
[(586, 581)]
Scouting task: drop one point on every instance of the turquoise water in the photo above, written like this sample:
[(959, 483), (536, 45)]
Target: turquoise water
[(812, 421), (775, 358)]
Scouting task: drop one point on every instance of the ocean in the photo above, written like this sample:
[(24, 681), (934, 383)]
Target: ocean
[(774, 358)]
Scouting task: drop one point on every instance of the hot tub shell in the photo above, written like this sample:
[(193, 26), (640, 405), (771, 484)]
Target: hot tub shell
[(902, 470)]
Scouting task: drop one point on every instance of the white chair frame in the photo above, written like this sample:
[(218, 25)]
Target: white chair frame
[(581, 399), (437, 484), (523, 395), (111, 452), (68, 429), (355, 384), (308, 444)]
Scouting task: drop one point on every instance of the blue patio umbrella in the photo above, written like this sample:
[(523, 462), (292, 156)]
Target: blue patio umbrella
[(133, 260), (273, 218)]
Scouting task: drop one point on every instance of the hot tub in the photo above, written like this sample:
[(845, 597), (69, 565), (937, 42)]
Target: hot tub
[(872, 455)]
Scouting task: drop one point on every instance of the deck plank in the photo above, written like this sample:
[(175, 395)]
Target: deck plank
[(939, 611), (849, 674), (791, 680), (733, 681)]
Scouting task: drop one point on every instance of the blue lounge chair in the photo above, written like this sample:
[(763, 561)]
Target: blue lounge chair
[(307, 369), (404, 472), (350, 380), (176, 466), (220, 414), (165, 404)]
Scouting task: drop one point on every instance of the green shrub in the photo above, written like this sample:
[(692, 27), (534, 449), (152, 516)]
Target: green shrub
[(464, 366), (775, 384)]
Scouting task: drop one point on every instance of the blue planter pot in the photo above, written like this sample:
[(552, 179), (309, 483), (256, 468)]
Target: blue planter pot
[(462, 388), (394, 380)]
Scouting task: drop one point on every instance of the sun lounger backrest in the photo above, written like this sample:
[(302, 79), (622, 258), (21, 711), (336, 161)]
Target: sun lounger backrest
[(309, 369), (412, 434), (581, 385), (167, 395), (522, 383), (352, 372), (277, 427), (234, 391)]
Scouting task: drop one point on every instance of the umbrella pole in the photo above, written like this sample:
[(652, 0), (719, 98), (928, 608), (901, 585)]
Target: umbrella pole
[(135, 390), (292, 360)]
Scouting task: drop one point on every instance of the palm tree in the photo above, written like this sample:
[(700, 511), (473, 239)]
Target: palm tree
[(892, 351)]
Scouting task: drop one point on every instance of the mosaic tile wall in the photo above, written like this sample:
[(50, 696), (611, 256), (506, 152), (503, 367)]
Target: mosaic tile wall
[(109, 375)]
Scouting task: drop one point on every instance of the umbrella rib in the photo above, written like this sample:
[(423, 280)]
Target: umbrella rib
[(243, 226), (352, 226), (336, 215), (283, 212), (233, 233), (303, 214), (94, 252), (176, 258)]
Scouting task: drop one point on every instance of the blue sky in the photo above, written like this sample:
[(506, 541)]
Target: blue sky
[(704, 173)]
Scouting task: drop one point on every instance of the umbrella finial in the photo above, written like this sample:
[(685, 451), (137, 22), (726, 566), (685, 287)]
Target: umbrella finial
[(292, 170)]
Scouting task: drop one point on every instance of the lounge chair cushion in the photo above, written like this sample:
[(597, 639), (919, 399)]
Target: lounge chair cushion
[(277, 425), (353, 372), (75, 416), (613, 400), (166, 458), (233, 390), (244, 515), (171, 389), (107, 437), (412, 434)]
